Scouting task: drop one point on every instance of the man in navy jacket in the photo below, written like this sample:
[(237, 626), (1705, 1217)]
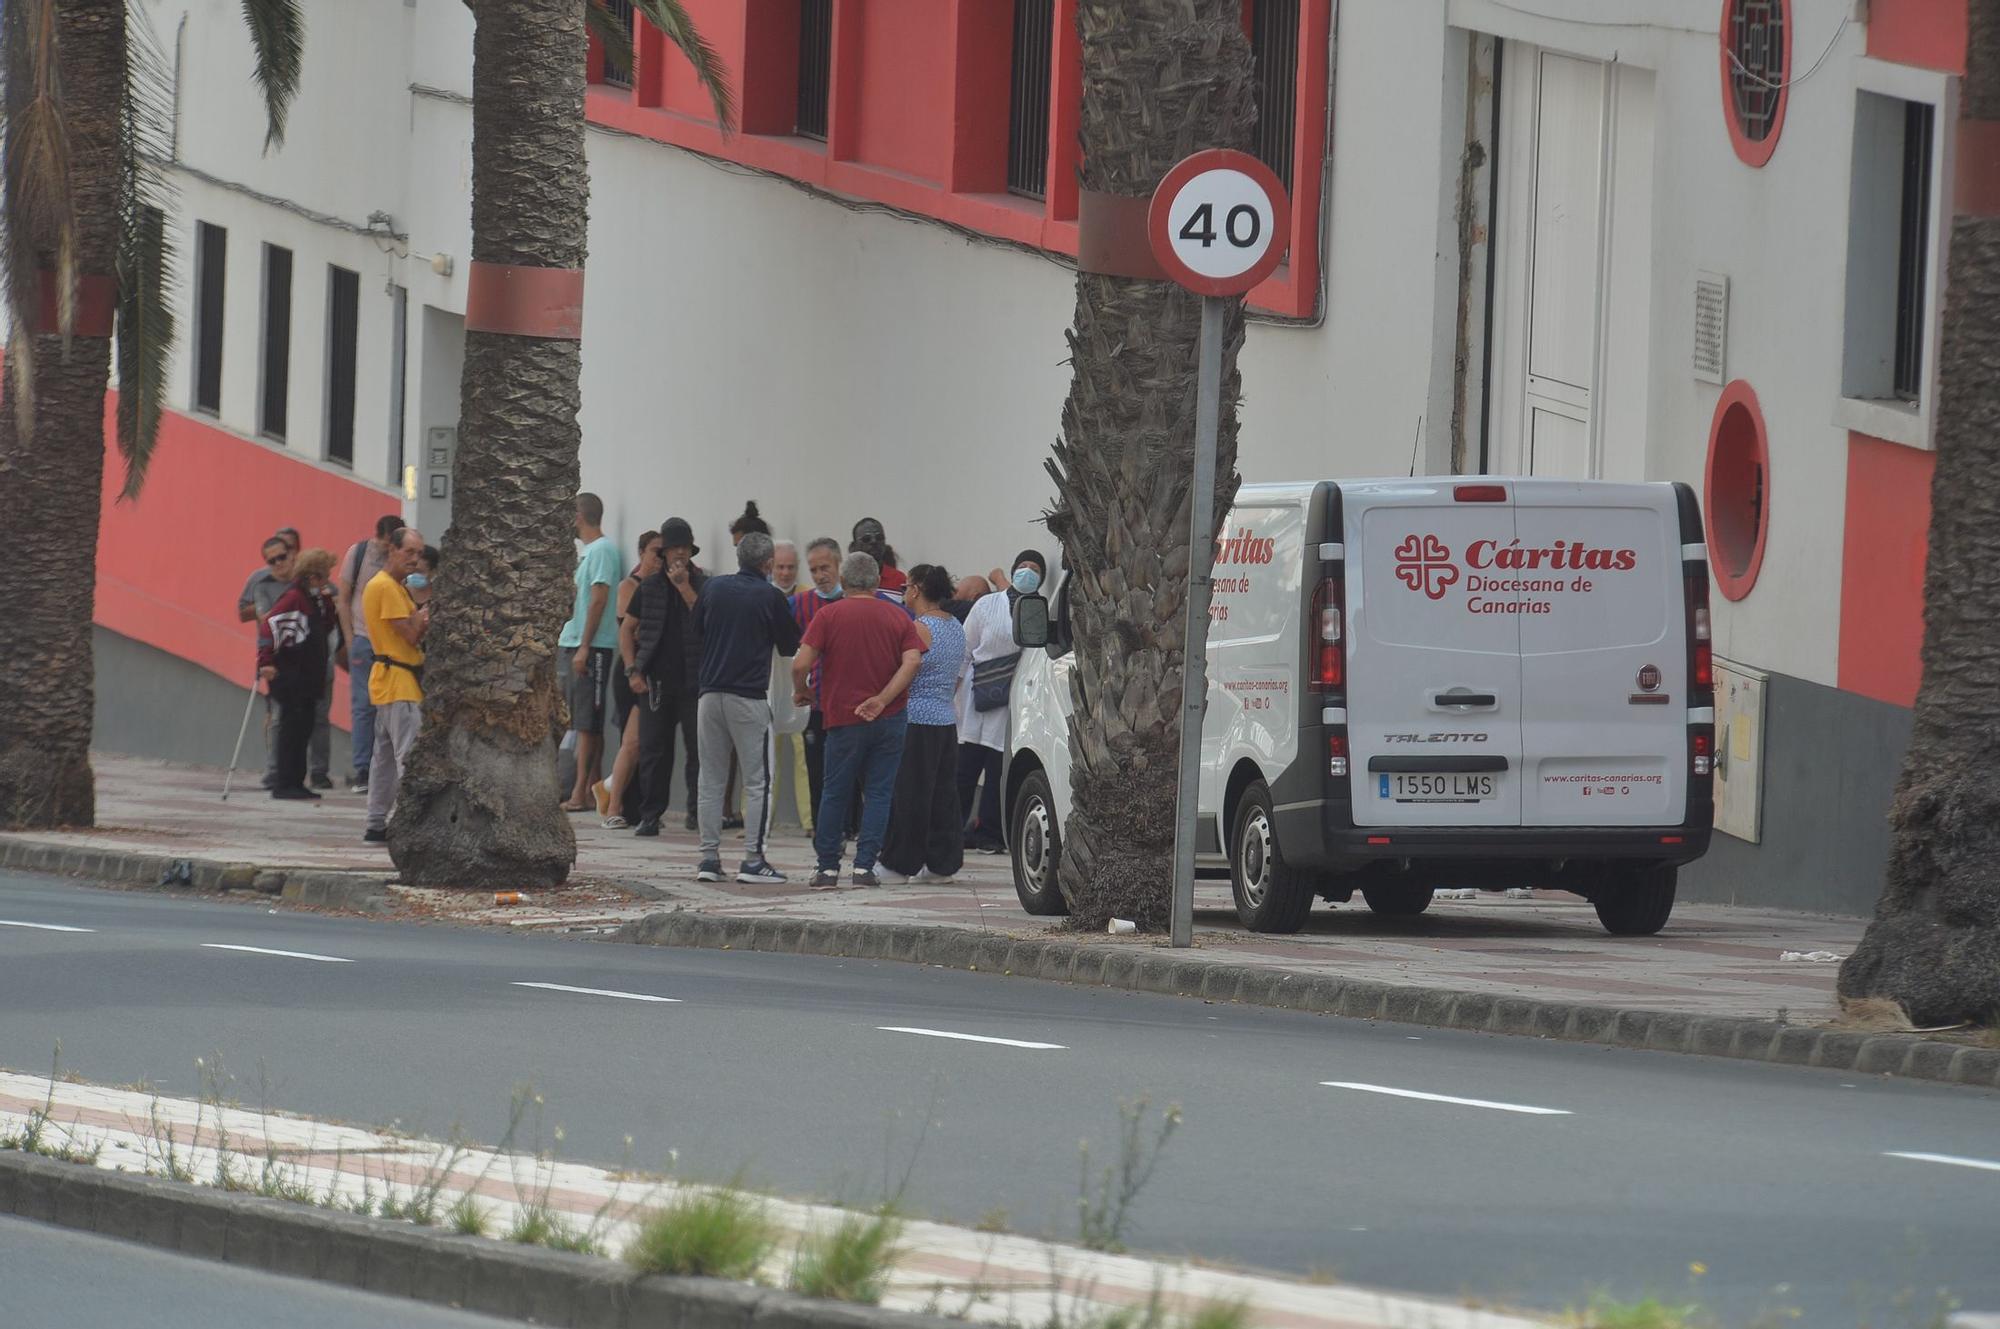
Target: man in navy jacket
[(741, 619)]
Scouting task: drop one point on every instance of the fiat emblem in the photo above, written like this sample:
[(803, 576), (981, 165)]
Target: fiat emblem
[(1649, 678)]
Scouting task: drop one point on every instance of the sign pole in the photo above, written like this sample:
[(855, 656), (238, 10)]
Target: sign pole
[(1194, 652)]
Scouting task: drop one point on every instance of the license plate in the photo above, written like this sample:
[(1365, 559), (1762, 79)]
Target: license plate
[(1444, 787)]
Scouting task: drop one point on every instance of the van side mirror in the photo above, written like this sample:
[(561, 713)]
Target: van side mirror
[(1031, 622)]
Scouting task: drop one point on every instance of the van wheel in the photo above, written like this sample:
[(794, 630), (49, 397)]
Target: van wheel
[(1037, 848), (1635, 902), (1270, 897), (1399, 899)]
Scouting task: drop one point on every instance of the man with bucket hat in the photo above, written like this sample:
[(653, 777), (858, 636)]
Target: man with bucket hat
[(666, 659)]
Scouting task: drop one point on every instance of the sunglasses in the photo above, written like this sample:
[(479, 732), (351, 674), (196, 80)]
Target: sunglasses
[(276, 559)]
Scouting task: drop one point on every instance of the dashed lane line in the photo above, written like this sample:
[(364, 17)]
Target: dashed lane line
[(42, 927), (597, 992), (1449, 1098), (265, 950), (972, 1038), (1953, 1160)]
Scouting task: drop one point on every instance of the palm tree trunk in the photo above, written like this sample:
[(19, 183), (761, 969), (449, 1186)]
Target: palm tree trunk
[(478, 804), (1934, 944), (1161, 79), (51, 477)]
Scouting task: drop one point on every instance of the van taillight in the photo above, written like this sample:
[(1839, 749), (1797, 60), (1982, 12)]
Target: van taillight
[(1336, 756), (1701, 649), (1702, 749), (1479, 493), (1329, 651)]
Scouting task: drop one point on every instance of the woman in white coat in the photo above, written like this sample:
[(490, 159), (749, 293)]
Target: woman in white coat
[(989, 675)]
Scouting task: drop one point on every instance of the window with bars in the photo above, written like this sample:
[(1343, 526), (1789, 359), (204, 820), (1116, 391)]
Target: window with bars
[(1913, 248), (815, 67), (1274, 42), (1028, 115), (1756, 44), (343, 335), (615, 72), (277, 350)]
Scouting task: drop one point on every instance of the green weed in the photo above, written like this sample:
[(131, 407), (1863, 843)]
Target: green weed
[(720, 1233), (851, 1261), (1104, 1202)]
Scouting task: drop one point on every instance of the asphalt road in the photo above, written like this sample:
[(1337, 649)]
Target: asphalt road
[(1458, 1164), (52, 1277)]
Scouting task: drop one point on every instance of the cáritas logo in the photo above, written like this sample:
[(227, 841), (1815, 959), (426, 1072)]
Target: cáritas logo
[(1243, 547), (1423, 563)]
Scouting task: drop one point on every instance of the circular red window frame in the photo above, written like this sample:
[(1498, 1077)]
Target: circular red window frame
[(1738, 412), (1751, 151)]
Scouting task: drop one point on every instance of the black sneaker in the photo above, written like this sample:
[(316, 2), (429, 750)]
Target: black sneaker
[(322, 781), (298, 793), (650, 826), (758, 872), (357, 784), (865, 877), (732, 823), (375, 835), (692, 822), (826, 879), (710, 870)]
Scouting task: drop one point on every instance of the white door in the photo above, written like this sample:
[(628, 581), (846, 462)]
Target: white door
[(1572, 266), (1603, 654), (1433, 674), (1563, 238)]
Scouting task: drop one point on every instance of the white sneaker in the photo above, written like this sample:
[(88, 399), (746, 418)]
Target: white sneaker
[(929, 878), (890, 878)]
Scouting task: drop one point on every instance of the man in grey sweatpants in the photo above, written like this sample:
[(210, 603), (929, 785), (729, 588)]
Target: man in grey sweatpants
[(741, 619)]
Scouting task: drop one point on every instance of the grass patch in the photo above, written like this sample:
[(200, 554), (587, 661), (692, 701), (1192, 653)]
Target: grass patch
[(851, 1261), (1605, 1312), (720, 1233), (468, 1218)]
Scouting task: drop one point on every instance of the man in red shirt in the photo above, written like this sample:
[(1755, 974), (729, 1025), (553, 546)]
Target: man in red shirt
[(867, 651)]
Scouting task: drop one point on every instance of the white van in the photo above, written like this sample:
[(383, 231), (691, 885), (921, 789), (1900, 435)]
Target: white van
[(1415, 683)]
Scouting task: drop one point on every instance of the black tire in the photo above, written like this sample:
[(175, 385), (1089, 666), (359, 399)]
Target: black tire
[(1635, 902), (1035, 847), (1270, 897), (1397, 899)]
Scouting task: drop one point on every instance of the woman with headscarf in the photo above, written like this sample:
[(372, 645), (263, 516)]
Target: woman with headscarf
[(991, 656)]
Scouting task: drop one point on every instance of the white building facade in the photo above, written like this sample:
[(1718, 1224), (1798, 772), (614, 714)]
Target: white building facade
[(1694, 240)]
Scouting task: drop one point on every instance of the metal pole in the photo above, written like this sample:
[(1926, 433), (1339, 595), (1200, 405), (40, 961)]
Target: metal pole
[(1194, 656), (242, 729)]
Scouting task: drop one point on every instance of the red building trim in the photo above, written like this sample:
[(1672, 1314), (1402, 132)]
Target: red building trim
[(1884, 548), (171, 563), (1737, 490), (929, 137), (1929, 33)]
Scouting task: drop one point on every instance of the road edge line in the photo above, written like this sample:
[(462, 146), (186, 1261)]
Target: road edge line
[(429, 1265), (1092, 964)]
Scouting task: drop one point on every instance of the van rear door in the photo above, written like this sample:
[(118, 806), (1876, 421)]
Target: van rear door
[(1433, 685), (1603, 654)]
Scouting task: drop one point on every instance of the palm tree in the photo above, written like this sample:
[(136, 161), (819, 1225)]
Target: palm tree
[(478, 803), (85, 116), (1934, 944), (1161, 79)]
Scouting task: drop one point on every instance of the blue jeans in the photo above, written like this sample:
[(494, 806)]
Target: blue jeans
[(361, 712), (864, 755)]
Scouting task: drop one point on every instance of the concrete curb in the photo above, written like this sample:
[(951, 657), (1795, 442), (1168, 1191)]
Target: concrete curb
[(1149, 969), (398, 1260), (361, 892)]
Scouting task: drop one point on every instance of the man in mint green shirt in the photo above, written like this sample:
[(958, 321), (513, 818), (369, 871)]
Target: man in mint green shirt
[(588, 642)]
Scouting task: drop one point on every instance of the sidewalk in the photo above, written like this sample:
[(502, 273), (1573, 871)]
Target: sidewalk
[(316, 1174), (1712, 960)]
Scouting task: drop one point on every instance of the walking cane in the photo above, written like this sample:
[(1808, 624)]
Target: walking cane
[(241, 730)]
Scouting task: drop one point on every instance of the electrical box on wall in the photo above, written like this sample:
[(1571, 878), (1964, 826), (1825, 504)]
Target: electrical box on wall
[(1739, 749)]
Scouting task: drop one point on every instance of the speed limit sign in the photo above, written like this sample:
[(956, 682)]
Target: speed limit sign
[(1218, 222)]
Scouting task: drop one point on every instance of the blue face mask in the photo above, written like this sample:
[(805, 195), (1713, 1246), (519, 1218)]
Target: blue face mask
[(833, 594), (416, 581), (1026, 579)]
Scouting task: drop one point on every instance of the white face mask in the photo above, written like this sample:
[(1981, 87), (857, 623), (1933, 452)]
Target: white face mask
[(1026, 580)]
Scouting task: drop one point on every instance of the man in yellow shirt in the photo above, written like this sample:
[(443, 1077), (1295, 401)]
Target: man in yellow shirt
[(396, 628)]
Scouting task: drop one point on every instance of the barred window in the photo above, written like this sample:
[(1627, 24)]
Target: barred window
[(1274, 40), (1028, 117), (815, 67)]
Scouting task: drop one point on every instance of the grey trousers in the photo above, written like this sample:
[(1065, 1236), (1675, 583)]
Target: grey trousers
[(726, 722), (396, 725)]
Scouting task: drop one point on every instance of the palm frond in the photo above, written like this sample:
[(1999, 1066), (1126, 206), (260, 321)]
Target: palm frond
[(613, 36), (671, 18), (145, 336), (278, 35), (35, 195)]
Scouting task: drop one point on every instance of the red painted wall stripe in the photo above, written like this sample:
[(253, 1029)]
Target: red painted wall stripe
[(1883, 551), (1930, 33), (171, 563)]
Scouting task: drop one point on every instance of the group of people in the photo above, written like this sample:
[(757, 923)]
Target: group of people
[(366, 614), (891, 690)]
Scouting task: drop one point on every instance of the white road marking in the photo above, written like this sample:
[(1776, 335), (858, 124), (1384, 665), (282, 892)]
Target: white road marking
[(971, 1038), (1981, 1164), (289, 955), (42, 927), (1447, 1098), (597, 992)]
